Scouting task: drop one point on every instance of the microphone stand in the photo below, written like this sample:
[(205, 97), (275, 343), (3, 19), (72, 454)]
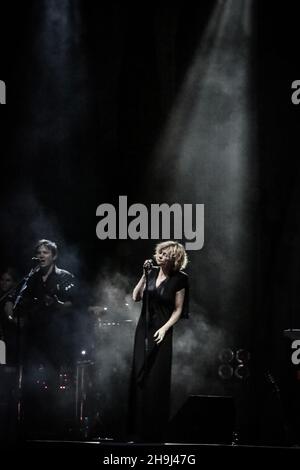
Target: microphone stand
[(23, 283), (146, 343)]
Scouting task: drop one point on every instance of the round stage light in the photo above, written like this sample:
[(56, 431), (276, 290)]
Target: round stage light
[(225, 371)]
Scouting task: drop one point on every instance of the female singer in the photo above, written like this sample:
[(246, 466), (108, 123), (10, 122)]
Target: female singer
[(165, 291)]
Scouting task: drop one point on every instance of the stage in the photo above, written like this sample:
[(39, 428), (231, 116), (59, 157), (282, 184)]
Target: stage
[(138, 455)]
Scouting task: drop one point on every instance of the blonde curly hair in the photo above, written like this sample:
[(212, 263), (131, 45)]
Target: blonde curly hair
[(176, 252)]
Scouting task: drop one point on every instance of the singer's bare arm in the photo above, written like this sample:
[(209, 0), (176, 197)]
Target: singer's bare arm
[(160, 334), (138, 290)]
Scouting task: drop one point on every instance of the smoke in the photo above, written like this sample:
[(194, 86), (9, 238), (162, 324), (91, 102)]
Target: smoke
[(197, 343), (23, 213), (115, 317), (110, 345), (58, 51), (113, 291), (205, 156)]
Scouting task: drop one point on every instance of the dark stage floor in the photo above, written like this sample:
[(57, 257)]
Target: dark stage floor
[(130, 455)]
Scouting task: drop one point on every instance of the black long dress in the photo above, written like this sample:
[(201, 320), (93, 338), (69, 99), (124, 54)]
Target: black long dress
[(150, 386)]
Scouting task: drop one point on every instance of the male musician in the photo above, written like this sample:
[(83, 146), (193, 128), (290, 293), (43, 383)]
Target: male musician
[(45, 310)]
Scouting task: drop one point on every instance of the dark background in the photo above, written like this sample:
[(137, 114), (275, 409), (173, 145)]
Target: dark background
[(82, 136), (77, 135)]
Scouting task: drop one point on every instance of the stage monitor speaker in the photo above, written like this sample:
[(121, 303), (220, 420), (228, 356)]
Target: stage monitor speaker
[(203, 419)]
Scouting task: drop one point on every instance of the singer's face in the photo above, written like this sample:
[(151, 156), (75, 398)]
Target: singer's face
[(164, 259), (6, 282), (45, 256)]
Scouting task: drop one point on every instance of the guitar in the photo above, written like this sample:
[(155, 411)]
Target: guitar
[(53, 295), (35, 300)]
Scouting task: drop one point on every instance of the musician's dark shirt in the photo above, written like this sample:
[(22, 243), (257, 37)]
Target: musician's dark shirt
[(38, 294), (46, 323)]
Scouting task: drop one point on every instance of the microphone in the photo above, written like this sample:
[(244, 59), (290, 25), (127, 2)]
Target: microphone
[(148, 265), (35, 259)]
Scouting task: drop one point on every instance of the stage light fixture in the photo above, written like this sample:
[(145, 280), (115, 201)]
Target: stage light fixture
[(226, 355), (225, 371), (242, 356), (242, 372)]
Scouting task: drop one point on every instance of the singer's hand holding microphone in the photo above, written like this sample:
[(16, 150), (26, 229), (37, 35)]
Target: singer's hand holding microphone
[(147, 266)]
